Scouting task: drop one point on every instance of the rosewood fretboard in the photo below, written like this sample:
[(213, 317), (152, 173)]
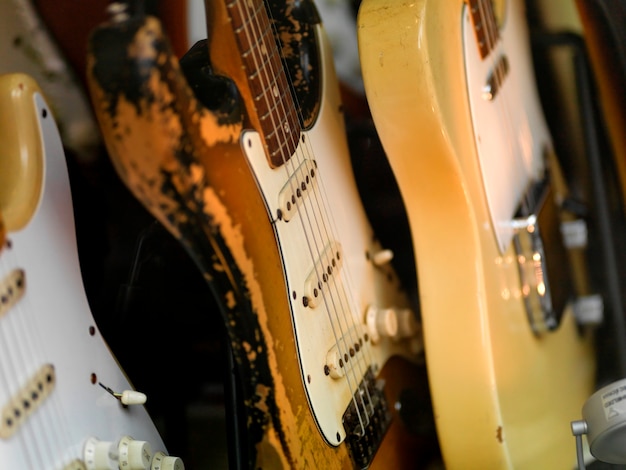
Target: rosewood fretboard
[(267, 80)]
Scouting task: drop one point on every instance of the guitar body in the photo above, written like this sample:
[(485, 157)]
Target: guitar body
[(503, 392), (55, 413), (260, 192)]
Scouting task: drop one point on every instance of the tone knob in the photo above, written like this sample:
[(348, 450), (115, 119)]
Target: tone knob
[(100, 455), (382, 257), (162, 461), (134, 455), (381, 322)]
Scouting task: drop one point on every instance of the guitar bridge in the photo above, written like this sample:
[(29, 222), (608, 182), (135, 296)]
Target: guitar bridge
[(542, 261), (366, 420)]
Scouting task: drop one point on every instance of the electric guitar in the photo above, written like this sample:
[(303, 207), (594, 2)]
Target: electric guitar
[(451, 90), (64, 402), (252, 174)]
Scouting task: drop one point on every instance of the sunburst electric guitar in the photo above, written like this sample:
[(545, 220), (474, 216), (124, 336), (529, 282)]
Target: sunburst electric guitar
[(65, 404), (451, 90), (241, 153)]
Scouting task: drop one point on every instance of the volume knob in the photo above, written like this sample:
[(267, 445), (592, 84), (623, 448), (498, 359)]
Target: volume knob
[(381, 323), (100, 455), (166, 462), (134, 455)]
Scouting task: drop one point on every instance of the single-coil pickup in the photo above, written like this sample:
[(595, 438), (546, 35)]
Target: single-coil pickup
[(297, 188), (345, 354), (496, 79), (320, 278), (11, 290), (27, 400)]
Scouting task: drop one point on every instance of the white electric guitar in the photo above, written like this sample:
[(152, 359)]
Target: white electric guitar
[(65, 404)]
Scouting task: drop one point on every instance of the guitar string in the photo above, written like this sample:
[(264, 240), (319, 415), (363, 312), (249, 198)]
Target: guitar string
[(49, 418), (260, 68), (338, 296), (9, 376), (288, 164), (319, 250), (355, 328), (59, 426), (28, 350)]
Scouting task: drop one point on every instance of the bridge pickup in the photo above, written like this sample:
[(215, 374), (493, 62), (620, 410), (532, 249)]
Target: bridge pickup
[(542, 260), (300, 184), (11, 290), (346, 353), (326, 269), (27, 400)]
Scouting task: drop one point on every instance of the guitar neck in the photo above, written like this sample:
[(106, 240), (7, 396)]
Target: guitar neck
[(242, 42), (272, 102), (485, 25)]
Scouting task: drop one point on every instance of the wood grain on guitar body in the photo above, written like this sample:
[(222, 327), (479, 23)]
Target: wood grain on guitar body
[(54, 365), (451, 90), (244, 159)]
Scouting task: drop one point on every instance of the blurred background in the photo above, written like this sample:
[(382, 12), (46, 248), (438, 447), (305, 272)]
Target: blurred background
[(152, 306)]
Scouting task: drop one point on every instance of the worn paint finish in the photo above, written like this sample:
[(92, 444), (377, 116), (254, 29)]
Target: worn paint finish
[(158, 148), (163, 154), (184, 162), (294, 21)]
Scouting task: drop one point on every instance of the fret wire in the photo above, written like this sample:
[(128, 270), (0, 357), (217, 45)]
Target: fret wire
[(492, 23), (265, 72)]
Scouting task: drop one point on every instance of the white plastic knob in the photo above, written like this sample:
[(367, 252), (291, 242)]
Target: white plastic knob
[(132, 397), (387, 322), (134, 455), (100, 455), (382, 257), (162, 461), (381, 322)]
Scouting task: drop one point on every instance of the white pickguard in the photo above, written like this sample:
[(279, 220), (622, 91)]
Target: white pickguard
[(330, 214), (509, 132), (52, 324)]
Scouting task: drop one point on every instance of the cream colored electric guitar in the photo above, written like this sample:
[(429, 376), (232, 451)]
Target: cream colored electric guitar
[(451, 90)]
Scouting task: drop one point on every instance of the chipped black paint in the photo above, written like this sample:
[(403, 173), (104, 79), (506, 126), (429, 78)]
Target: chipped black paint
[(180, 204), (116, 73), (293, 22), (218, 93)]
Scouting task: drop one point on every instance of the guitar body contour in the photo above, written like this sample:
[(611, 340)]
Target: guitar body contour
[(54, 412), (503, 393), (234, 171)]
